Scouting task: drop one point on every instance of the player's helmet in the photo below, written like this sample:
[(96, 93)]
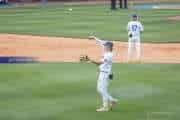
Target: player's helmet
[(109, 44)]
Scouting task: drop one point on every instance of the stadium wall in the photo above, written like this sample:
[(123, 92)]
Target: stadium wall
[(95, 0)]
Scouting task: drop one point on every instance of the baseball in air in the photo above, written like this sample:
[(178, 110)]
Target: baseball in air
[(70, 9)]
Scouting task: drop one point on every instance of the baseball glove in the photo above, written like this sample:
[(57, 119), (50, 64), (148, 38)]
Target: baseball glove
[(111, 76), (130, 34), (84, 58)]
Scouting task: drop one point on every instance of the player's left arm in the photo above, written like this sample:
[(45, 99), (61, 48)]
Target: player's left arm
[(87, 59), (104, 59), (96, 62), (128, 27)]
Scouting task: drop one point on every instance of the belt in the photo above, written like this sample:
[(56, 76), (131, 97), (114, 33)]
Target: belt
[(104, 71)]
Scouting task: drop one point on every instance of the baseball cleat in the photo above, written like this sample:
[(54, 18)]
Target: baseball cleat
[(113, 104), (103, 109)]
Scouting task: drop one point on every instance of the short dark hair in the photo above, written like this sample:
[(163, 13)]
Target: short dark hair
[(109, 44)]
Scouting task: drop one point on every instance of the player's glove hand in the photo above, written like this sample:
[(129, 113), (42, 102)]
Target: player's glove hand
[(111, 76), (84, 58), (130, 34)]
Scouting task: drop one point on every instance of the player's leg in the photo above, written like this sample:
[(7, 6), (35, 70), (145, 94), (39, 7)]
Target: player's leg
[(130, 49), (120, 4), (111, 100), (107, 98), (113, 4), (102, 90), (138, 50), (125, 4), (105, 94)]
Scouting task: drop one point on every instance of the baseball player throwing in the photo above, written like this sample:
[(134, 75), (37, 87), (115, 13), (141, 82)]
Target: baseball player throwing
[(105, 67), (134, 29)]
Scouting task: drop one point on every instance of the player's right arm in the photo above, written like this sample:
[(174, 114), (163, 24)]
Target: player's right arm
[(98, 41), (128, 27)]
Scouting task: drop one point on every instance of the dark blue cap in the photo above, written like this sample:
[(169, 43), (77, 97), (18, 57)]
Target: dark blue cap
[(108, 44), (134, 15)]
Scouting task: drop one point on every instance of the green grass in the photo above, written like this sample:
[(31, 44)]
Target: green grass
[(56, 20), (67, 91)]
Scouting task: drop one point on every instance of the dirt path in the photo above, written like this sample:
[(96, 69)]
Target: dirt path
[(54, 49), (174, 18)]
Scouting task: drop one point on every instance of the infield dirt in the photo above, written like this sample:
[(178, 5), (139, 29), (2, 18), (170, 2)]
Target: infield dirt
[(174, 18), (57, 49)]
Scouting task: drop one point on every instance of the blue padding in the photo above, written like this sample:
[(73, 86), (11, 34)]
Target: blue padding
[(19, 59), (143, 6)]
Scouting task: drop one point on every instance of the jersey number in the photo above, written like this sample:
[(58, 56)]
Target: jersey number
[(134, 27)]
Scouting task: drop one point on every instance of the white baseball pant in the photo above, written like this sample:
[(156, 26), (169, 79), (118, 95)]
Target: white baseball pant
[(134, 43), (102, 88)]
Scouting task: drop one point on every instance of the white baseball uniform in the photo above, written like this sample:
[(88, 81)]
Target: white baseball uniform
[(104, 72), (134, 28)]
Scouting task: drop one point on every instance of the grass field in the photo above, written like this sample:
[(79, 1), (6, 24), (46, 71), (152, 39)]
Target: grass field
[(67, 91), (61, 92), (56, 20)]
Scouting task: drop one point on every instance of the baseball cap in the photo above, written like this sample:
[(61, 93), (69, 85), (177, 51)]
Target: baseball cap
[(134, 15), (108, 44)]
